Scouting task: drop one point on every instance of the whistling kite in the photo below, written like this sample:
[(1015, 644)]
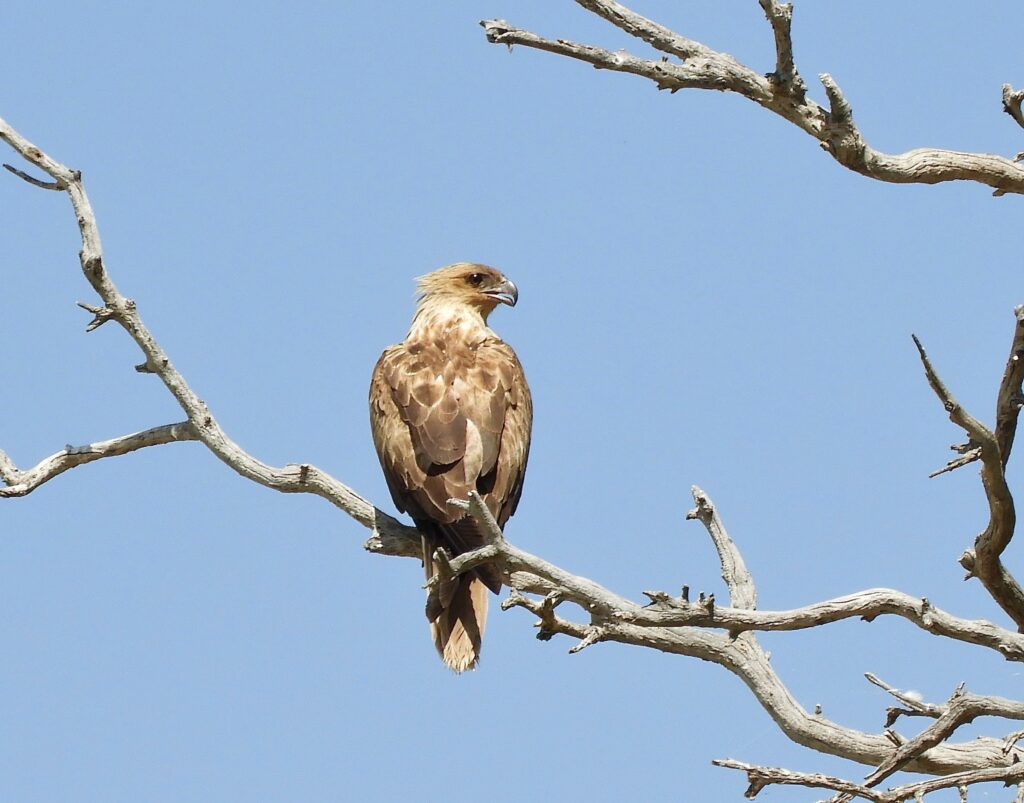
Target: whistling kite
[(451, 412)]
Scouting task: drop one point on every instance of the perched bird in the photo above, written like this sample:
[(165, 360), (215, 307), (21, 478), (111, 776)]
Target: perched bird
[(451, 412)]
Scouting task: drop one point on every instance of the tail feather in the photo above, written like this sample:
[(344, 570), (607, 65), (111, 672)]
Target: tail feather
[(457, 611), (459, 629)]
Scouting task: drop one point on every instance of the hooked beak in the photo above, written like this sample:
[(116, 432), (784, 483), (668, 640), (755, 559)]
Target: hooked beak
[(505, 293)]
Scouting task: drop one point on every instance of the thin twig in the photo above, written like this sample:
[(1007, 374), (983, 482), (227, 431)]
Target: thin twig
[(917, 706), (963, 707), (759, 778), (1012, 739), (45, 185), (958, 462)]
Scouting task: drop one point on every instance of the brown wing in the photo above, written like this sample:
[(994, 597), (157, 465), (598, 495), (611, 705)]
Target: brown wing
[(502, 486), (448, 420), (419, 432)]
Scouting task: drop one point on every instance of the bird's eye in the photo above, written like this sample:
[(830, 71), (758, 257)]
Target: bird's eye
[(475, 279)]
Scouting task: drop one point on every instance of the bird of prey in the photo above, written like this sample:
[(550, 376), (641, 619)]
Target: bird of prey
[(451, 412)]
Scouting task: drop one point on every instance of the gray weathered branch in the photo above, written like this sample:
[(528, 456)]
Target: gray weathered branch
[(20, 483), (962, 708), (783, 92), (1011, 103), (666, 611), (761, 777), (984, 561), (1008, 402), (611, 617), (739, 581), (915, 707), (780, 16), (304, 478)]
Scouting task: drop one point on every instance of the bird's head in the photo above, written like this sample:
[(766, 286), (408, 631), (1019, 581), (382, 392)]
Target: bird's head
[(465, 283)]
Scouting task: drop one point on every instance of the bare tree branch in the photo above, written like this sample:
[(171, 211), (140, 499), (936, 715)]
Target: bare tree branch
[(967, 456), (738, 579), (665, 611), (478, 510), (782, 92), (761, 777), (780, 15), (915, 707), (1011, 103), (46, 185), (8, 471), (304, 478), (1009, 400), (614, 618), (984, 561), (20, 483), (963, 707), (1013, 738)]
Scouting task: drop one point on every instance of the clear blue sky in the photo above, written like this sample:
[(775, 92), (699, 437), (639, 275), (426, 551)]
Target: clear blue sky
[(705, 298)]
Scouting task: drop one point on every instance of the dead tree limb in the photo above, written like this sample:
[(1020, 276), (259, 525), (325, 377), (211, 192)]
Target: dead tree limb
[(687, 64), (761, 777), (20, 483), (983, 561), (303, 478)]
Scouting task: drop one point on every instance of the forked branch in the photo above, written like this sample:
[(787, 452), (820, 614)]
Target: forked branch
[(689, 64), (611, 617), (761, 777), (201, 425), (983, 561)]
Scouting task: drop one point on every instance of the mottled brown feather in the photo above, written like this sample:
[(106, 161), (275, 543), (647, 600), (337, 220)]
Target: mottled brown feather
[(410, 432)]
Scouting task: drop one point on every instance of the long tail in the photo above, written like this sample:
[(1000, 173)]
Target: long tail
[(458, 614), (459, 629)]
